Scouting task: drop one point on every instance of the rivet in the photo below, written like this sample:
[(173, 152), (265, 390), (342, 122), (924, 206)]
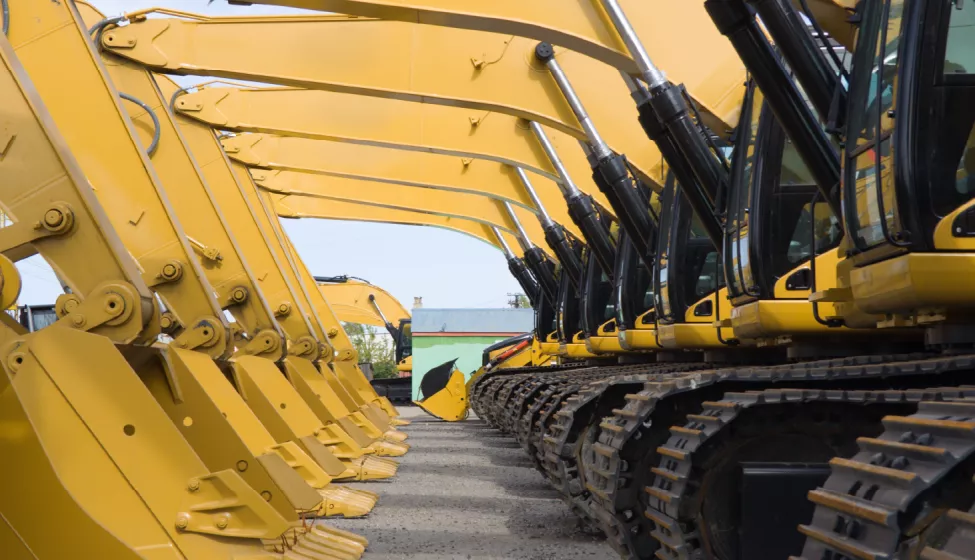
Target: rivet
[(241, 466)]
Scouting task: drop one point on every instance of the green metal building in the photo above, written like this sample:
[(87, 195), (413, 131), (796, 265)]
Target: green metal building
[(441, 335)]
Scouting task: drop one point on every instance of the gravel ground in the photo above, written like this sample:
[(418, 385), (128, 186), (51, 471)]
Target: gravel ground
[(465, 491)]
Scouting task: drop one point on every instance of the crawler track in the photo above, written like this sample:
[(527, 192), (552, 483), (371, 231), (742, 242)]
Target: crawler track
[(632, 463)]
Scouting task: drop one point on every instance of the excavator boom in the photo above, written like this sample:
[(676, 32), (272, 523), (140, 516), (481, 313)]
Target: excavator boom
[(584, 27), (357, 301), (477, 208), (491, 73), (382, 122), (354, 212), (384, 165)]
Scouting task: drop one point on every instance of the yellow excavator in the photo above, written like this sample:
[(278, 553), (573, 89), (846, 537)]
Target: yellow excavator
[(357, 301)]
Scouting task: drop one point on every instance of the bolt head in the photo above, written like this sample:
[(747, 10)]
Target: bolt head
[(194, 485), (223, 521), (53, 218), (78, 319), (182, 521), (169, 270), (544, 52)]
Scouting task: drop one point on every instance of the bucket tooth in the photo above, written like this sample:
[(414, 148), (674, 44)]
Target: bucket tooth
[(326, 533), (369, 468), (318, 543), (388, 449), (395, 436), (314, 546), (339, 501), (398, 422)]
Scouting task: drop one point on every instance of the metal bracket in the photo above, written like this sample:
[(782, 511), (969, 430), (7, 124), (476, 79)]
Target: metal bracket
[(832, 295), (223, 504), (204, 333), (265, 342)]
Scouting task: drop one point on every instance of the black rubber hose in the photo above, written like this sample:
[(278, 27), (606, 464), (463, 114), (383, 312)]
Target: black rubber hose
[(155, 121)]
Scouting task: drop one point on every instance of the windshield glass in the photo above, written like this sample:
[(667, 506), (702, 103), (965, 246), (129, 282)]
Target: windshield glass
[(872, 162), (960, 51), (960, 60), (744, 278)]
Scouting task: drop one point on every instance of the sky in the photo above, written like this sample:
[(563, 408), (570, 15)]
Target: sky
[(446, 269)]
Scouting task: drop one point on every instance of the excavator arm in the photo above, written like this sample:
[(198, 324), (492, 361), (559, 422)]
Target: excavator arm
[(358, 394), (474, 70), (192, 203), (125, 182), (346, 432)]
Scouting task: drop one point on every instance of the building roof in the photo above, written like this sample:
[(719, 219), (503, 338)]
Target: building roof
[(442, 322)]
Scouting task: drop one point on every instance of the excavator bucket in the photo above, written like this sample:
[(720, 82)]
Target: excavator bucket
[(444, 393)]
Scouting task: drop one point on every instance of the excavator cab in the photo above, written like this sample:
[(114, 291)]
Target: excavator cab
[(571, 331), (546, 325), (687, 278), (597, 311), (597, 308), (36, 317), (777, 221), (909, 188), (633, 298), (404, 345)]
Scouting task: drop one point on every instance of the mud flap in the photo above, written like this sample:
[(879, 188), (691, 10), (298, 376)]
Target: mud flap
[(444, 393)]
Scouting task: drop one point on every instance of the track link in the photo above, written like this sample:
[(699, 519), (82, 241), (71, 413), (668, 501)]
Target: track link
[(575, 426), (879, 503), (958, 537), (693, 463), (628, 440)]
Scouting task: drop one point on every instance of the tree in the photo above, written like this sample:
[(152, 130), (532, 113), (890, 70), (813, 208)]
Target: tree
[(374, 347)]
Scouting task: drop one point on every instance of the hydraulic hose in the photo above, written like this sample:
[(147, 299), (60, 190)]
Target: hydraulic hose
[(155, 121)]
